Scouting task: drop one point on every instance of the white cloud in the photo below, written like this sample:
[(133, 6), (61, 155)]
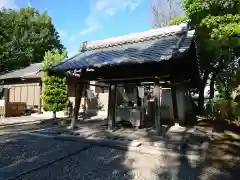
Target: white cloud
[(132, 5), (92, 25), (8, 4), (100, 9)]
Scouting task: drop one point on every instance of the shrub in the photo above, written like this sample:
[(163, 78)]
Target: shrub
[(220, 108), (55, 89)]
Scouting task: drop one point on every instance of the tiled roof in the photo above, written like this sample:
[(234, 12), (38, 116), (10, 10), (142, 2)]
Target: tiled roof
[(137, 37), (153, 45), (32, 71)]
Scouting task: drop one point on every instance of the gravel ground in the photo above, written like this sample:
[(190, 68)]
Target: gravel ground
[(99, 163), (19, 147)]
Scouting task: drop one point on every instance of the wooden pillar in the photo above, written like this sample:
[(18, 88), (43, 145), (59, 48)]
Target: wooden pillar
[(142, 108), (40, 98), (109, 100), (6, 101), (112, 105), (78, 97), (6, 95), (79, 92), (142, 113), (174, 103), (157, 98)]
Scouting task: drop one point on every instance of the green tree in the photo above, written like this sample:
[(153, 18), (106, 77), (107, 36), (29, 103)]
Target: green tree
[(55, 89), (25, 36), (178, 20), (217, 26)]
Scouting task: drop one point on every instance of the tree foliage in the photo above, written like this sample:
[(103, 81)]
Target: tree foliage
[(217, 25), (25, 36), (178, 20), (55, 90)]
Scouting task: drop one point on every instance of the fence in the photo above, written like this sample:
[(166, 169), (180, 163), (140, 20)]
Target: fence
[(13, 109), (2, 111)]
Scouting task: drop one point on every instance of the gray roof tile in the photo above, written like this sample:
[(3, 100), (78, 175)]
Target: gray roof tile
[(32, 71), (153, 45)]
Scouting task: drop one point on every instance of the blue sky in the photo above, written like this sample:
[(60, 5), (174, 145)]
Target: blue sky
[(81, 20)]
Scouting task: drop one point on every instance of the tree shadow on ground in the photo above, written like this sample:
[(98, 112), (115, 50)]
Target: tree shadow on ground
[(209, 165), (219, 125)]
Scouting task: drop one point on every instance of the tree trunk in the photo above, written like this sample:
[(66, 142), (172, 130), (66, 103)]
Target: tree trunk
[(201, 100), (201, 97), (212, 89), (54, 114)]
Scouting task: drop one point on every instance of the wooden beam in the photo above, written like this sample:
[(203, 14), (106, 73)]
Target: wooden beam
[(130, 78), (174, 103), (112, 105), (96, 85), (157, 98)]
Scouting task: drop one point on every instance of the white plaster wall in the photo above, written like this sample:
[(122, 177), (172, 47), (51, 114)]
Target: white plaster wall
[(166, 100), (2, 102), (103, 99), (181, 103)]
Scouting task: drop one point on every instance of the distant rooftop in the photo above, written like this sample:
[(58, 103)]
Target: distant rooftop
[(31, 71)]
